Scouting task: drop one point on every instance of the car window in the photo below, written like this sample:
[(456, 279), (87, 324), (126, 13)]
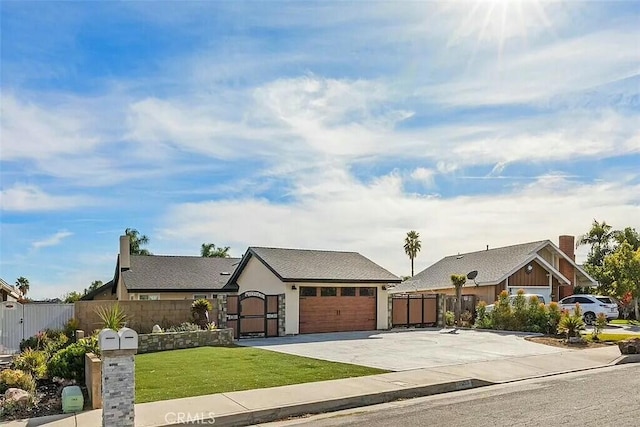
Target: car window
[(583, 300), (605, 300), (569, 300)]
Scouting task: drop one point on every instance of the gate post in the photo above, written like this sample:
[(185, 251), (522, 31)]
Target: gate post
[(441, 308), (282, 304), (390, 312), (222, 310)]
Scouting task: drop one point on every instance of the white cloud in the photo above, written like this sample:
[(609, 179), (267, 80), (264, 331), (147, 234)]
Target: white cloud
[(53, 240), (424, 175), (344, 214), (30, 198)]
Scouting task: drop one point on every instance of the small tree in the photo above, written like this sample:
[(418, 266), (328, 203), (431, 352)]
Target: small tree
[(200, 311), (458, 281), (209, 250)]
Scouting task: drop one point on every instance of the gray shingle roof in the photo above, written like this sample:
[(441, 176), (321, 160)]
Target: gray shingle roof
[(316, 265), (167, 273), (492, 265)]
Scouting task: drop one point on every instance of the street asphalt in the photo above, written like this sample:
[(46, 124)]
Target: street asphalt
[(598, 398)]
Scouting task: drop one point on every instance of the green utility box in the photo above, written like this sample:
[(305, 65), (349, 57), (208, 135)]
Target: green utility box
[(72, 399)]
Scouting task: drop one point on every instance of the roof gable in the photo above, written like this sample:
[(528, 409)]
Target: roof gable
[(303, 265), (492, 266)]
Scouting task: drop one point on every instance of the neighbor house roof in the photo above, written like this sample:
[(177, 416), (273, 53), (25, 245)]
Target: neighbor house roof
[(90, 295), (9, 289), (492, 265), (178, 273), (303, 265)]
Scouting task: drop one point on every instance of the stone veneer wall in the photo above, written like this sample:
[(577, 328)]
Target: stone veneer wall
[(281, 315), (150, 343), (442, 308), (118, 388)]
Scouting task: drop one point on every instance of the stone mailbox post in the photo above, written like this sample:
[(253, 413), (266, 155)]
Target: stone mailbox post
[(118, 376)]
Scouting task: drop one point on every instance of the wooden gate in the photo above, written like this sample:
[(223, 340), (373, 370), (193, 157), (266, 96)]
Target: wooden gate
[(253, 314), (415, 310)]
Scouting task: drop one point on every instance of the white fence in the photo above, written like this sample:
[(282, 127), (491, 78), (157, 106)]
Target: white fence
[(20, 321)]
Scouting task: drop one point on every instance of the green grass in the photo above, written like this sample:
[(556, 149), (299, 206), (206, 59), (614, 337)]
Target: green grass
[(206, 370), (625, 322), (611, 337)]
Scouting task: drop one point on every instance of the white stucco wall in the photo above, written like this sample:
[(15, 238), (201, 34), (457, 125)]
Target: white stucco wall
[(257, 277)]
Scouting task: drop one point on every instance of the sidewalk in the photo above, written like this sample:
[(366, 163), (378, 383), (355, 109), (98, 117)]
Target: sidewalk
[(270, 404)]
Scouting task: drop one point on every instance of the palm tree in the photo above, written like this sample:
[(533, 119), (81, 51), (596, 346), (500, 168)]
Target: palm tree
[(22, 284), (209, 250), (412, 246), (135, 241)]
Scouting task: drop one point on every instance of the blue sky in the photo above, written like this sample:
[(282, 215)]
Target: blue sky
[(310, 124)]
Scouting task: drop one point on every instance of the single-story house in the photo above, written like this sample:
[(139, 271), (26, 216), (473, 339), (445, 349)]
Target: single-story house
[(537, 267), (324, 291), (8, 292)]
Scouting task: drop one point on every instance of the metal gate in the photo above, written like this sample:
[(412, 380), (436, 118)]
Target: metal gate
[(20, 321), (415, 310), (253, 314)]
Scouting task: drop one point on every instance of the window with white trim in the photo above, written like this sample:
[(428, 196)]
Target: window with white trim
[(200, 296), (148, 297)]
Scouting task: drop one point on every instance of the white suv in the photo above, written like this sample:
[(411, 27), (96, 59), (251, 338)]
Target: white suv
[(591, 306)]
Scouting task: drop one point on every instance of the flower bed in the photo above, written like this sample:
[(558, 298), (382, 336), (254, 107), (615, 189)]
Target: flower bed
[(163, 341)]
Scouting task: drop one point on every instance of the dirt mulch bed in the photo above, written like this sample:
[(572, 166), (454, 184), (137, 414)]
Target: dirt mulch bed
[(561, 342), (47, 402)]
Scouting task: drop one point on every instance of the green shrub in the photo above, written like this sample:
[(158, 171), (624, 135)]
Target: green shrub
[(571, 324), (112, 317), (33, 362), (15, 378), (10, 408), (449, 318), (502, 315), (70, 328), (519, 310), (537, 317), (601, 323), (68, 363), (49, 340), (554, 318)]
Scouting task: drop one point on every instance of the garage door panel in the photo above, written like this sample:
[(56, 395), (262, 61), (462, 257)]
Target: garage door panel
[(337, 313)]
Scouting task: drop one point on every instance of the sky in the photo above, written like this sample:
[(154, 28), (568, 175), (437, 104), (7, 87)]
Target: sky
[(321, 125)]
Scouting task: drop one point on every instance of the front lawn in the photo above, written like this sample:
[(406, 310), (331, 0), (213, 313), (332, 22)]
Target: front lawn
[(207, 370), (625, 322)]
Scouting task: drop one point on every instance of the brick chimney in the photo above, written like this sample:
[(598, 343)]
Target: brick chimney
[(567, 245)]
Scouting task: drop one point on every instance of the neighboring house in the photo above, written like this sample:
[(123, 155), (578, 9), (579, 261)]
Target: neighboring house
[(162, 277), (104, 292), (537, 268), (325, 291), (8, 292)]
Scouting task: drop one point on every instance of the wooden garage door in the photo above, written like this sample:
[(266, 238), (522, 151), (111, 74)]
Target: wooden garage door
[(327, 309)]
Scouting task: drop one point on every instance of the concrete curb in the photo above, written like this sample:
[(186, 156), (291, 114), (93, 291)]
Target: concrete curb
[(627, 358), (274, 414)]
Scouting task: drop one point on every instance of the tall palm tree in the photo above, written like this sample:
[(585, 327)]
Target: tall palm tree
[(136, 240), (23, 285), (412, 246), (209, 250)]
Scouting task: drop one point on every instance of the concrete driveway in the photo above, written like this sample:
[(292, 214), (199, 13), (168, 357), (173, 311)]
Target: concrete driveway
[(405, 349)]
